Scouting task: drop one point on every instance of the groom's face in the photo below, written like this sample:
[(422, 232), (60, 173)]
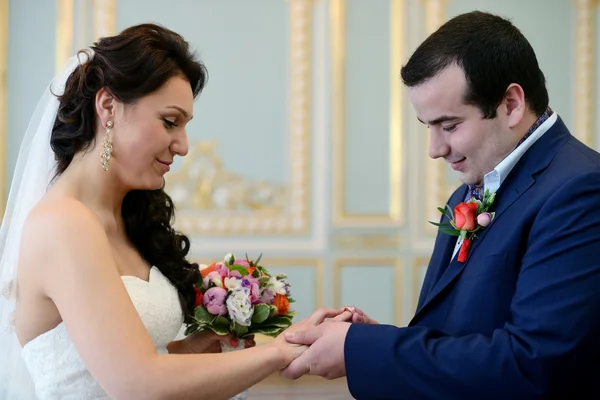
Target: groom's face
[(459, 134)]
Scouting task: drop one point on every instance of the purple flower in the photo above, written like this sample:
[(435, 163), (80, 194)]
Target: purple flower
[(214, 301), (254, 286)]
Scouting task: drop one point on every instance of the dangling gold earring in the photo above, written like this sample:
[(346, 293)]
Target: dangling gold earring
[(106, 147)]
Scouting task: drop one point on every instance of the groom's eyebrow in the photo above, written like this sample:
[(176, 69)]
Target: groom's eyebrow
[(439, 120)]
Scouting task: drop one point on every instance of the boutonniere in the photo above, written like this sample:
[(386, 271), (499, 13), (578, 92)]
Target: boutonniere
[(466, 219)]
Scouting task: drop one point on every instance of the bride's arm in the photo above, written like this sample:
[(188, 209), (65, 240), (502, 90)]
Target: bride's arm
[(71, 257)]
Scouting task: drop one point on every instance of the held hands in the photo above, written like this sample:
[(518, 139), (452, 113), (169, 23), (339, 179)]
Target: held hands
[(325, 356), (291, 350)]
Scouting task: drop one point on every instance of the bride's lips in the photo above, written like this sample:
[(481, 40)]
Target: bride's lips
[(166, 165)]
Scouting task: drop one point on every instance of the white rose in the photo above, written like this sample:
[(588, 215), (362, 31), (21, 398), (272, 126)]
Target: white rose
[(239, 306), (233, 284), (277, 286)]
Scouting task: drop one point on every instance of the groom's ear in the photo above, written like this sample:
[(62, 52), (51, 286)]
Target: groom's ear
[(516, 106), (105, 103)]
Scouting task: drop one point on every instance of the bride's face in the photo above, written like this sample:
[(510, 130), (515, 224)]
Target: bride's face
[(148, 134)]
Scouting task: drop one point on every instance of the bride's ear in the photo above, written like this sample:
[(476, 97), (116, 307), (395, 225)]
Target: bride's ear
[(105, 103)]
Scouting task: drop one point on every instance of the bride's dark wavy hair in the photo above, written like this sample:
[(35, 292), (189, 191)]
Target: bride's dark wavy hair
[(131, 65)]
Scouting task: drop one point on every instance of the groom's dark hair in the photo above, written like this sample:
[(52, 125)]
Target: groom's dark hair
[(492, 53)]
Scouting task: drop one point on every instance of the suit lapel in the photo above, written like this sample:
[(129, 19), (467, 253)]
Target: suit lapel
[(442, 252), (520, 179)]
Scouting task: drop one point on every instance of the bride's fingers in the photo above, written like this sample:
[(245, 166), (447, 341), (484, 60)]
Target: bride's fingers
[(321, 314)]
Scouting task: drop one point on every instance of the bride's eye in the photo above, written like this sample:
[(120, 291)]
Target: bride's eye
[(169, 124)]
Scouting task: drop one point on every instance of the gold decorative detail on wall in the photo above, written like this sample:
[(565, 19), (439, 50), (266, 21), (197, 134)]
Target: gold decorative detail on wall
[(584, 97), (105, 20), (435, 181), (3, 98), (396, 263), (203, 184), (367, 241), (64, 32), (395, 215), (418, 265)]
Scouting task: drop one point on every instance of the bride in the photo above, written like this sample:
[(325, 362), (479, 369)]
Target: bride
[(95, 281)]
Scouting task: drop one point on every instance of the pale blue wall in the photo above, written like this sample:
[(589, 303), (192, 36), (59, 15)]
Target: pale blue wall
[(31, 50)]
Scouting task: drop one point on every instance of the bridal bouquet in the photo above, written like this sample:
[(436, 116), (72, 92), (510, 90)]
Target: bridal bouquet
[(240, 297)]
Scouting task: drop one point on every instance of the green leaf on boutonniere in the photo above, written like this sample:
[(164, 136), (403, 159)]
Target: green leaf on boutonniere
[(445, 224), (440, 209), (450, 212), (463, 234), (452, 232)]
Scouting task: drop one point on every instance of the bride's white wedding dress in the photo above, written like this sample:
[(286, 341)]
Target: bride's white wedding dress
[(54, 364)]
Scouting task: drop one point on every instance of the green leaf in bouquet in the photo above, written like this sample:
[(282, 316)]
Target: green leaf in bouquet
[(263, 281), (258, 259), (280, 321), (202, 316), (261, 313), (242, 270), (256, 273), (220, 326), (280, 277), (191, 329), (237, 329), (272, 331), (274, 311)]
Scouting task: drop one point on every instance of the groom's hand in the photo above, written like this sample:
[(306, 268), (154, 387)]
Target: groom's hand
[(324, 357)]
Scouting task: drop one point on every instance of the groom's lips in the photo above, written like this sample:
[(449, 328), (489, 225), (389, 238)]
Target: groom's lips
[(457, 165)]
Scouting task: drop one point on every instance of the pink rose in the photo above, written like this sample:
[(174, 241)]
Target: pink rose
[(213, 277), (484, 219), (214, 301), (242, 263)]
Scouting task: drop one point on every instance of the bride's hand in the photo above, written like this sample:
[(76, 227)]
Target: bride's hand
[(354, 315), (207, 341), (291, 351)]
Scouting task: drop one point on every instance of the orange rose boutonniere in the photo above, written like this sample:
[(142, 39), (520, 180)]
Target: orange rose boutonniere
[(466, 219)]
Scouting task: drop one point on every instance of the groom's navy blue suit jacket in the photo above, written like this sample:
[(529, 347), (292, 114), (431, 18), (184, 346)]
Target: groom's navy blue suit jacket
[(520, 319)]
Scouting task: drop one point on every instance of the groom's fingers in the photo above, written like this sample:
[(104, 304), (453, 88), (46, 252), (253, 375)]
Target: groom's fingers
[(300, 366), (306, 337)]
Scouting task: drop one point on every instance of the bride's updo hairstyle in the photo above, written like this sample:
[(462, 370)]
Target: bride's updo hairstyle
[(131, 65)]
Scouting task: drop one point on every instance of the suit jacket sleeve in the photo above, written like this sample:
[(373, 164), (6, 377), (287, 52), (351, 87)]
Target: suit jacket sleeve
[(552, 331)]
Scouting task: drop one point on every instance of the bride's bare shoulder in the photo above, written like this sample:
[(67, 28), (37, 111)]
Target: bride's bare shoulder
[(56, 221)]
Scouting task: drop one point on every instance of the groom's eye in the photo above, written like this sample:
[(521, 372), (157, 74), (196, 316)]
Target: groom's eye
[(450, 128)]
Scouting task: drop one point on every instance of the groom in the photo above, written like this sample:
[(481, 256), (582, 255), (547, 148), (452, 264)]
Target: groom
[(520, 316)]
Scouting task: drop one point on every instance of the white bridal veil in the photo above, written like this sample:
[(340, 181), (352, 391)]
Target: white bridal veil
[(33, 173)]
